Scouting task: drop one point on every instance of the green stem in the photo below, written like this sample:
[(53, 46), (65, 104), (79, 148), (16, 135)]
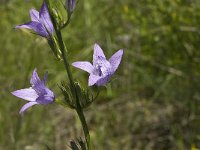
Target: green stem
[(78, 108), (66, 24), (67, 67), (63, 51), (85, 127)]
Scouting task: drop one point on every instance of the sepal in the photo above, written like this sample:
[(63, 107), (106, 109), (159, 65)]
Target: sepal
[(85, 96), (68, 96), (71, 94), (77, 144)]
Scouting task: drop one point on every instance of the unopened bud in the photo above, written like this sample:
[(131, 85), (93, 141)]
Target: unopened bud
[(70, 6)]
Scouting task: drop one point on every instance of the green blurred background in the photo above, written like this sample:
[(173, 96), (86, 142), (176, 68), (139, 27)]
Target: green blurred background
[(153, 101)]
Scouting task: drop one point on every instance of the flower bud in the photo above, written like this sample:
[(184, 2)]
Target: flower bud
[(57, 12), (70, 5)]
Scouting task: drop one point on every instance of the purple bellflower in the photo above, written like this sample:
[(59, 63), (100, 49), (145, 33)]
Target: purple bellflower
[(38, 93), (102, 69), (40, 22), (70, 5)]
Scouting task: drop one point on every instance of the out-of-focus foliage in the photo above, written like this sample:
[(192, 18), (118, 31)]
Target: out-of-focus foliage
[(153, 102)]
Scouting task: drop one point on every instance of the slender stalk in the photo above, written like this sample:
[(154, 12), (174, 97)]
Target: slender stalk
[(85, 127), (78, 109), (63, 51), (67, 67), (66, 24)]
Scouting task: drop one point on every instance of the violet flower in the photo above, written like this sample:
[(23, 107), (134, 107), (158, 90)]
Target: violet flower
[(102, 69), (38, 93), (70, 5), (40, 22)]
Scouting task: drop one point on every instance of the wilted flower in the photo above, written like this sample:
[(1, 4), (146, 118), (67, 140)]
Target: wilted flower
[(102, 69), (70, 5), (40, 22), (38, 93)]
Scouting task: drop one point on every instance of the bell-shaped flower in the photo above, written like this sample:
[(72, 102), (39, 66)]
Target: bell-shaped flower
[(101, 70), (38, 93), (40, 22)]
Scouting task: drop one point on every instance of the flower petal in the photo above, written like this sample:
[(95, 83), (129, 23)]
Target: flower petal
[(116, 59), (93, 79), (35, 80), (103, 67), (36, 27), (37, 84), (40, 89), (44, 78), (27, 25), (98, 52), (34, 15), (84, 65), (45, 18), (45, 99), (26, 106), (103, 80), (28, 94)]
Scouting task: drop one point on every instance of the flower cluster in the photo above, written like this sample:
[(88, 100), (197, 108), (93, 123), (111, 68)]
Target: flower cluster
[(48, 23), (99, 72)]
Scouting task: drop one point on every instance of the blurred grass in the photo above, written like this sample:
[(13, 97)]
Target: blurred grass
[(153, 101)]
